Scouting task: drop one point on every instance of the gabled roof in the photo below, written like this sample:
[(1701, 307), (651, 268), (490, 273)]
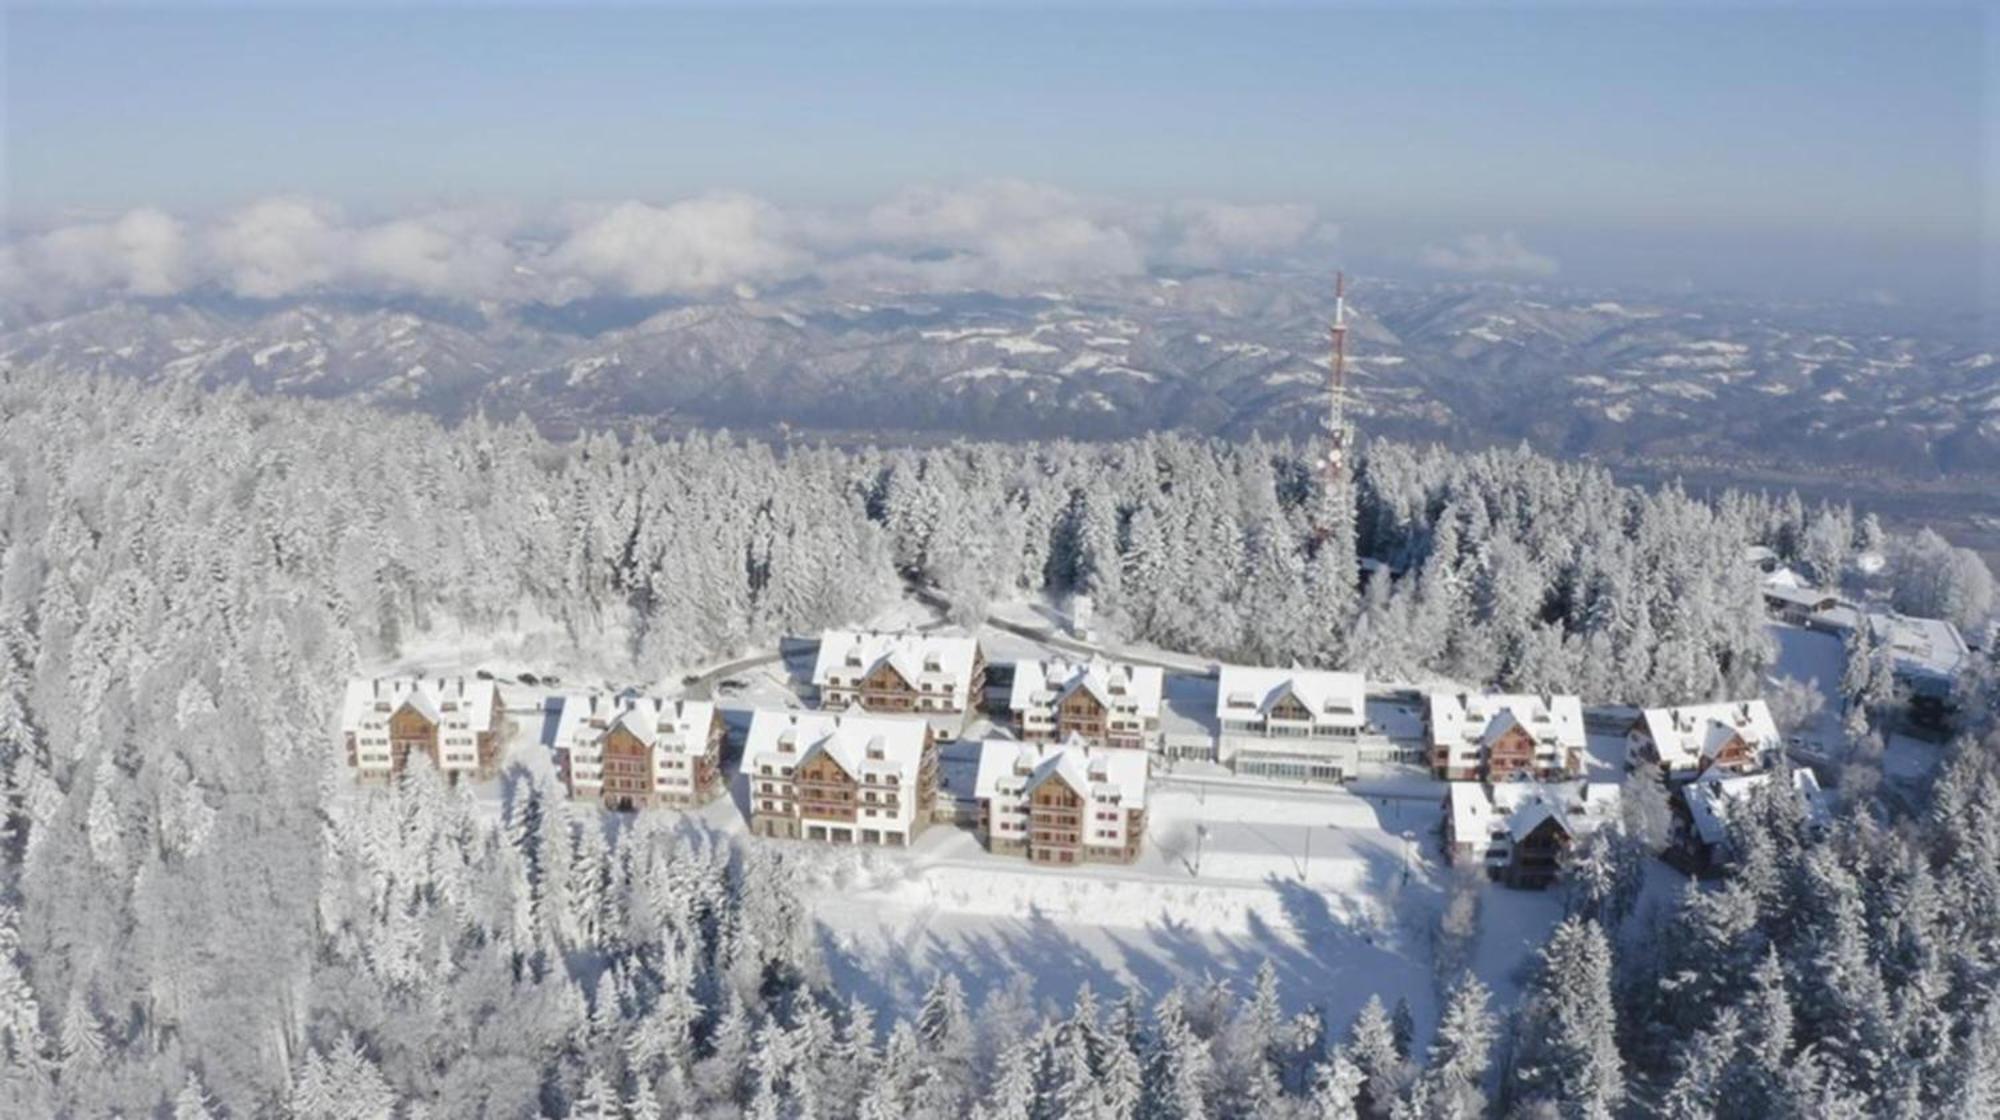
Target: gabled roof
[(851, 740), (1041, 684), (1479, 810), (908, 652), (1463, 718), (472, 698), (641, 716), (1018, 769), (1329, 696), (1691, 734)]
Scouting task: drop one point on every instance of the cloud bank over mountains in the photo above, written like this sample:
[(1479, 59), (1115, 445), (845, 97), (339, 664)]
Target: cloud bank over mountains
[(999, 235)]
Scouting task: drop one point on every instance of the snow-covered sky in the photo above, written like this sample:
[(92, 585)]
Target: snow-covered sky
[(671, 149)]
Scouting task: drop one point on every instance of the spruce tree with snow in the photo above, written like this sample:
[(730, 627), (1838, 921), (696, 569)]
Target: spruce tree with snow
[(1336, 1088), (1178, 1067), (641, 1103), (1252, 1058), (1371, 1044), (1450, 1085), (192, 1102), (598, 1100), (1565, 1043), (944, 1027)]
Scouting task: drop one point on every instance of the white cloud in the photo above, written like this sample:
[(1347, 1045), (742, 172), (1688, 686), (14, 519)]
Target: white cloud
[(1002, 234), (1485, 254), (279, 247), (447, 254), (700, 245), (144, 252), (1205, 234)]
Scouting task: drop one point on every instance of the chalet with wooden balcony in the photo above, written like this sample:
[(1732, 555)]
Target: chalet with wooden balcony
[(1500, 737), (840, 778), (1062, 803), (1109, 704), (633, 752), (454, 722), (1520, 832), (904, 673), (1733, 736), (1290, 723)]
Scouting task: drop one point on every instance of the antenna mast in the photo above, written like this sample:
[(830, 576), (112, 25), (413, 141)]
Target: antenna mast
[(1336, 412)]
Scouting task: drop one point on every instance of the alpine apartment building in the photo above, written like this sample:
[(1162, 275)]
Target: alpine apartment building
[(1497, 737), (840, 777), (634, 752), (455, 722), (1733, 736), (1109, 704), (1064, 803), (904, 673), (1518, 831), (1290, 723)]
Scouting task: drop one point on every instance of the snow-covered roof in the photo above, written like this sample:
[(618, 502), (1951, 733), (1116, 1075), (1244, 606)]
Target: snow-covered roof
[(1043, 684), (1924, 649), (1248, 690), (676, 726), (1515, 809), (1008, 768), (1713, 799), (943, 659), (877, 747), (1687, 736), (1466, 718), (471, 698), (1798, 593)]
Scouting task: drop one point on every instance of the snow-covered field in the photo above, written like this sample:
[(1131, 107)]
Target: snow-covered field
[(1339, 891)]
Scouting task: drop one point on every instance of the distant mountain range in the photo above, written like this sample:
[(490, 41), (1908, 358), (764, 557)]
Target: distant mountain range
[(1814, 388)]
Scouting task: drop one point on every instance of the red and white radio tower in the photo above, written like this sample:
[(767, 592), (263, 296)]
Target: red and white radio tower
[(1337, 431)]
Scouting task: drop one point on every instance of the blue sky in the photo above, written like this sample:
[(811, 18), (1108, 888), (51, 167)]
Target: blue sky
[(1817, 131)]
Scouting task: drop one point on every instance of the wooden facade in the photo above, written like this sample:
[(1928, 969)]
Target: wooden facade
[(821, 798), (411, 729)]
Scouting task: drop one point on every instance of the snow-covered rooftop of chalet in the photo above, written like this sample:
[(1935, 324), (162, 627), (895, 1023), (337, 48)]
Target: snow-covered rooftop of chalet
[(1516, 808), (1041, 684), (882, 747), (1467, 717), (427, 695), (1014, 769), (643, 716), (1686, 736), (1715, 798), (1242, 689), (940, 658), (1922, 647)]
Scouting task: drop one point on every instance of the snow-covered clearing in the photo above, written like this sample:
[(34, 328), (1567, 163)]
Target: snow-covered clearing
[(1339, 891), (1816, 657)]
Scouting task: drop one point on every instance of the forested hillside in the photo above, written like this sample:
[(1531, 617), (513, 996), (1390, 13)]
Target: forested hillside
[(203, 918)]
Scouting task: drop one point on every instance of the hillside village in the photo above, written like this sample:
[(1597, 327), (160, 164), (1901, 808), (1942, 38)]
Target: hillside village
[(1054, 753)]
